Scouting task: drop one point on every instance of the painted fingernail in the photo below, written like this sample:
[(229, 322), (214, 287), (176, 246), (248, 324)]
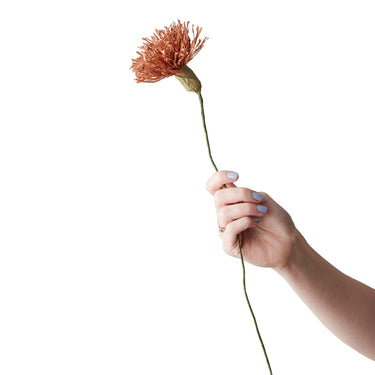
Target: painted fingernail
[(262, 209), (257, 196), (256, 219), (232, 175)]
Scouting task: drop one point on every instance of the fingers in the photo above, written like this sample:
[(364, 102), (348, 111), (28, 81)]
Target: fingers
[(219, 179), (228, 214), (234, 195), (235, 207), (229, 237), (234, 202)]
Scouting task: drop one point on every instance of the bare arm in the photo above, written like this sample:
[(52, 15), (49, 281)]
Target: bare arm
[(344, 305)]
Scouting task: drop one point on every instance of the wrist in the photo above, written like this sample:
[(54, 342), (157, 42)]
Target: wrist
[(299, 248)]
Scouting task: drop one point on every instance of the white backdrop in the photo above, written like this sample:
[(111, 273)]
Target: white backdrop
[(109, 258)]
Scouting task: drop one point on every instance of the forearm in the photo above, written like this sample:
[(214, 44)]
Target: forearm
[(344, 305)]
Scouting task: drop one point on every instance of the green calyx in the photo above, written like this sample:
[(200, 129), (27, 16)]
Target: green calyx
[(189, 80)]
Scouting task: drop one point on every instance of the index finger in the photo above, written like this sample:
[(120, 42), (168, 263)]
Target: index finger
[(219, 179)]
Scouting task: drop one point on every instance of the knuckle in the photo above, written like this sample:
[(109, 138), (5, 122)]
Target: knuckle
[(248, 209), (265, 195), (223, 216), (248, 222), (218, 196), (245, 194), (229, 229)]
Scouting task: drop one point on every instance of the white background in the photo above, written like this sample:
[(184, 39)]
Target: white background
[(109, 258)]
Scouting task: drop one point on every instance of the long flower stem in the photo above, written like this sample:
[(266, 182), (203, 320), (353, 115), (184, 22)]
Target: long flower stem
[(238, 239), (205, 130)]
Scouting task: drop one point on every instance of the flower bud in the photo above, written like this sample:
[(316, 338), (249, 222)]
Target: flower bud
[(189, 80)]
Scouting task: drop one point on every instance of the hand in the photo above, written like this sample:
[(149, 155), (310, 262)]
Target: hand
[(265, 229)]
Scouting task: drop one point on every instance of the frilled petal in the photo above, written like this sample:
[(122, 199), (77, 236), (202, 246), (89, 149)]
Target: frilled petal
[(167, 52)]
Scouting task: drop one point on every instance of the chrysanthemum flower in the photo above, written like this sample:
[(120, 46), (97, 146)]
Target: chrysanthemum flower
[(167, 52)]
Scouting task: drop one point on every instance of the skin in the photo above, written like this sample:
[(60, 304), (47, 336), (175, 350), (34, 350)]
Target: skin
[(344, 305)]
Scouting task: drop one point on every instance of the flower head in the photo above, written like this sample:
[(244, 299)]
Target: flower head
[(167, 52)]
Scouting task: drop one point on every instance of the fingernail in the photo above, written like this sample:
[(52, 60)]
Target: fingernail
[(262, 209), (256, 219), (257, 196), (232, 175)]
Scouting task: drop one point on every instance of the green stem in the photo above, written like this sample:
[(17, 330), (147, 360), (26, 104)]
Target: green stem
[(250, 308), (238, 240), (205, 131)]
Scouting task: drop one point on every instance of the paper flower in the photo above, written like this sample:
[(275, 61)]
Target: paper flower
[(166, 54)]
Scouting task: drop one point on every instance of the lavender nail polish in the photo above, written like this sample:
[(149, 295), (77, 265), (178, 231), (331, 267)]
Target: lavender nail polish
[(257, 196), (256, 219), (262, 209), (232, 175)]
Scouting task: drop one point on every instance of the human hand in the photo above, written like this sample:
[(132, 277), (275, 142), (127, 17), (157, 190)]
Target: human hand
[(266, 231)]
